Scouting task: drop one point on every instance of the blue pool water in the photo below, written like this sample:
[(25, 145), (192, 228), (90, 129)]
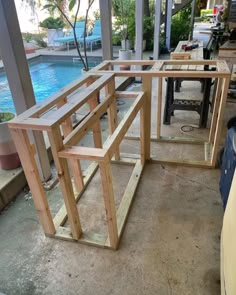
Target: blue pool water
[(47, 78)]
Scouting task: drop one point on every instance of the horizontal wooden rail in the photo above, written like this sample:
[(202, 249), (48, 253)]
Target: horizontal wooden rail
[(114, 140), (83, 153)]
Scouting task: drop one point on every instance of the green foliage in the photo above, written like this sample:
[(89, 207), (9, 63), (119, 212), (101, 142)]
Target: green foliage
[(52, 23), (96, 14), (180, 25), (124, 11), (206, 11), (60, 6), (124, 26), (4, 117), (148, 31), (39, 38)]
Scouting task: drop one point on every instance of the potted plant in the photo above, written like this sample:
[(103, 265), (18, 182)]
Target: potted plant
[(54, 28), (122, 11), (59, 6), (8, 156)]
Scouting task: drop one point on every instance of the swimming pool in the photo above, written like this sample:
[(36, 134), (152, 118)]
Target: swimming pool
[(47, 78)]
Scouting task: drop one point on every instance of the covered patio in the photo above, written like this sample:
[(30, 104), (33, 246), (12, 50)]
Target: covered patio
[(171, 241)]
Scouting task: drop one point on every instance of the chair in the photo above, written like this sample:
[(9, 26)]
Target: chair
[(79, 30), (96, 34)]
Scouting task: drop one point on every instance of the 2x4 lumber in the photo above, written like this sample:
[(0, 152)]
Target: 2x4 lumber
[(52, 100), (187, 163), (26, 155), (166, 73), (222, 66), (114, 140), (97, 134), (65, 182), (61, 216), (147, 89), (159, 107), (126, 94), (142, 134), (129, 194), (90, 239), (219, 121), (112, 113), (109, 202), (127, 199), (83, 153), (125, 161), (215, 109), (75, 165), (101, 67), (30, 123), (157, 65), (77, 134), (74, 104), (132, 62), (171, 139)]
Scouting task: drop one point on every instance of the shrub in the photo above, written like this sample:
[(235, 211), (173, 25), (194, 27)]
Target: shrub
[(204, 12), (52, 23), (180, 26), (39, 38)]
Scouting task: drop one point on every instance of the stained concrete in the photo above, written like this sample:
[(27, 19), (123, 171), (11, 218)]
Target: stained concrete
[(170, 245)]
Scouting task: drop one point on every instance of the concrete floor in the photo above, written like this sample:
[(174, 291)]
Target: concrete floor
[(170, 245)]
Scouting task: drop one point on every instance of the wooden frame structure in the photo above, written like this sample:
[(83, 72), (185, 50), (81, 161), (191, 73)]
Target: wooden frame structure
[(63, 139), (65, 150), (178, 69)]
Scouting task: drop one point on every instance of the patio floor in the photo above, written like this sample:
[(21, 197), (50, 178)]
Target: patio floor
[(170, 245)]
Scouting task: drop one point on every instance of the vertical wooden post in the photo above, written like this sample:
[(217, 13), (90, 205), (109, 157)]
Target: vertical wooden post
[(93, 103), (112, 112), (75, 165), (26, 155), (65, 182), (220, 120), (215, 109), (142, 134), (159, 107), (147, 89), (97, 134), (109, 201)]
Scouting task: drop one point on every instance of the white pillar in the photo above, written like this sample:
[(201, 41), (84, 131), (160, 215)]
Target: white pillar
[(106, 24), (15, 63), (157, 30), (139, 29), (168, 22)]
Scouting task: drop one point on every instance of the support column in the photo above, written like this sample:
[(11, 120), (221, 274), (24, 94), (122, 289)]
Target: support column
[(157, 30), (139, 29), (192, 18), (16, 67), (106, 25), (168, 22)]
